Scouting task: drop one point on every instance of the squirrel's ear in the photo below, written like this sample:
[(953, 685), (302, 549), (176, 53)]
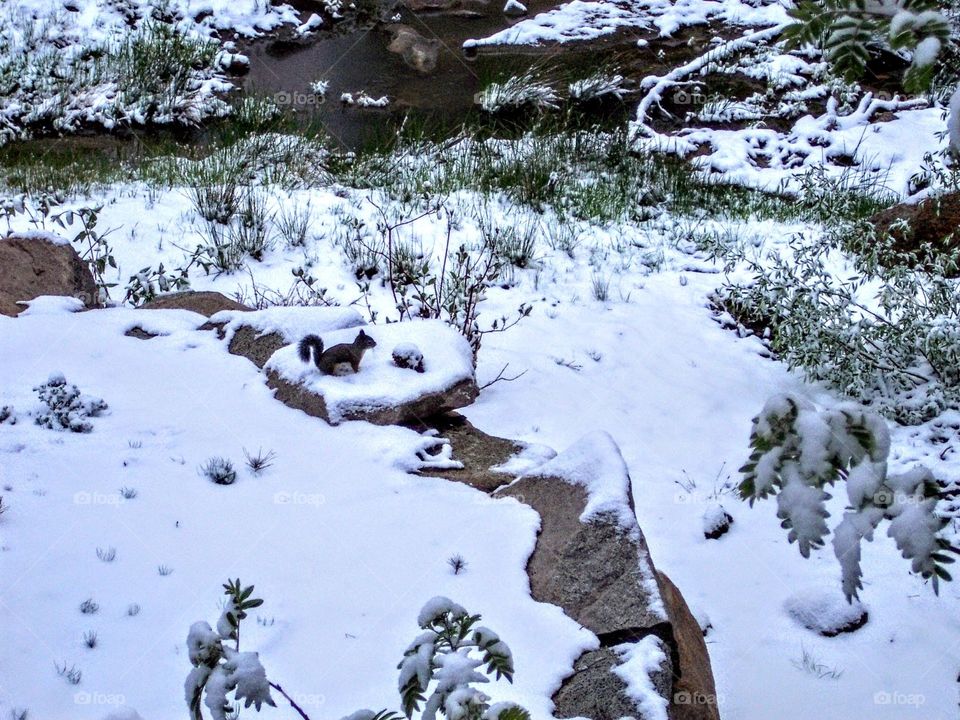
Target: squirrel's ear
[(362, 334)]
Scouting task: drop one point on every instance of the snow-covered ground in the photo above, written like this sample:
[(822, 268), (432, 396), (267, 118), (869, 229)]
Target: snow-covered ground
[(344, 546)]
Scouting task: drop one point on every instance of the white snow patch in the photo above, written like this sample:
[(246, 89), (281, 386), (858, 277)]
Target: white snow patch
[(823, 610), (639, 661)]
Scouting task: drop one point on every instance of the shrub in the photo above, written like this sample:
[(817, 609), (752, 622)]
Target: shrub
[(799, 450), (66, 407), (219, 470)]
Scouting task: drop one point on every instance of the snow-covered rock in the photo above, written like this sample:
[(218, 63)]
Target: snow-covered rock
[(381, 392), (35, 264), (514, 9), (826, 611)]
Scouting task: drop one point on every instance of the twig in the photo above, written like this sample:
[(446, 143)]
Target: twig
[(500, 377), (290, 700)]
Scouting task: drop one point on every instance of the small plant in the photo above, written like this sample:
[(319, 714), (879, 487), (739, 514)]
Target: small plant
[(128, 493), (133, 610), (293, 224), (90, 639), (164, 570), (89, 607), (249, 230), (19, 714), (219, 470), (3, 508), (71, 674), (810, 664), (600, 287), (457, 564), (108, 555), (445, 656), (7, 415), (517, 93), (66, 407), (260, 461)]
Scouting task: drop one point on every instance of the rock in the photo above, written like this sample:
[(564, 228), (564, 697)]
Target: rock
[(381, 393), (35, 264), (514, 9), (596, 566), (479, 452), (591, 559), (595, 690), (417, 52), (934, 221), (408, 356), (431, 5), (826, 611), (203, 302), (716, 522), (694, 695)]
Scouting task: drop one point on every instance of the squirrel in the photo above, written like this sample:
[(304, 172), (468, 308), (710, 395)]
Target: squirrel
[(341, 359)]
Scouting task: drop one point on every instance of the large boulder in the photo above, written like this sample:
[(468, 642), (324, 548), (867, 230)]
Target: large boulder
[(35, 264), (592, 560), (381, 392)]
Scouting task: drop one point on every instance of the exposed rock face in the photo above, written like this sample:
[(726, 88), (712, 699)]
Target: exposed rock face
[(297, 396), (417, 52), (256, 347), (35, 264), (591, 559), (934, 221), (595, 691), (694, 694), (202, 302)]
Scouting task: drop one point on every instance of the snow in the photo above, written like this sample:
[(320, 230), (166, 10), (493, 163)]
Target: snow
[(356, 565), (638, 661), (823, 610), (953, 121), (448, 360), (291, 323), (594, 463)]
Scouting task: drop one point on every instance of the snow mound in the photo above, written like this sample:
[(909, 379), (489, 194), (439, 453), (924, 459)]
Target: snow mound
[(594, 462), (530, 457), (291, 323), (380, 384), (826, 611), (52, 305)]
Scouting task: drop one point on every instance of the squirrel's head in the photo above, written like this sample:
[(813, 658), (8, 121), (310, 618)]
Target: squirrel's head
[(365, 341)]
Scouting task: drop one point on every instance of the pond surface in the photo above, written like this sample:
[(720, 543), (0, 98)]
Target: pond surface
[(360, 61)]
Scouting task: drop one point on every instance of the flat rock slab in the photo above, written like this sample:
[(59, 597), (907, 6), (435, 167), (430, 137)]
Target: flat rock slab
[(381, 392), (489, 462), (258, 334), (37, 264)]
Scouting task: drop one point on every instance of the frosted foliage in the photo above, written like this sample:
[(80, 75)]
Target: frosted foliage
[(65, 408), (798, 450)]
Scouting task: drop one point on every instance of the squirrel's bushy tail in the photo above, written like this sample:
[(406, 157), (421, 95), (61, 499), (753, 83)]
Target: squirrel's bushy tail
[(311, 342)]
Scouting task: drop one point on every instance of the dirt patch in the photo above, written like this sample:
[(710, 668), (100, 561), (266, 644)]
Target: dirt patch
[(921, 233)]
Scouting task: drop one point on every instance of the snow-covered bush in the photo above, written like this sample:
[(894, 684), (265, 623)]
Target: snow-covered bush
[(66, 408), (7, 415), (598, 86), (846, 29), (220, 670), (447, 656), (799, 450), (885, 335)]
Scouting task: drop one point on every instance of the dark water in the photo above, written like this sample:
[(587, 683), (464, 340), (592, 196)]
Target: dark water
[(361, 61)]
